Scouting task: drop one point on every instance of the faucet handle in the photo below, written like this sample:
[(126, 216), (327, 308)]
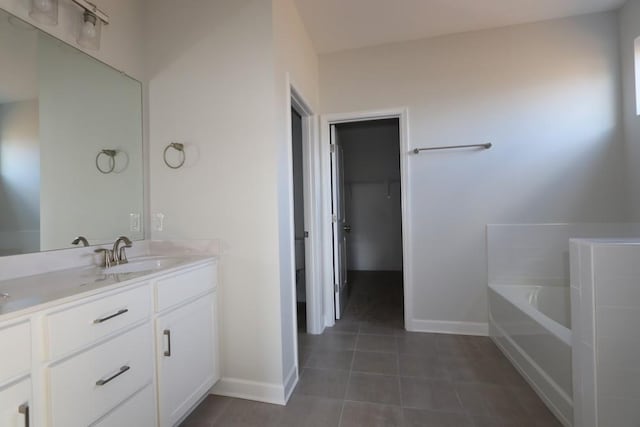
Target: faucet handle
[(108, 256)]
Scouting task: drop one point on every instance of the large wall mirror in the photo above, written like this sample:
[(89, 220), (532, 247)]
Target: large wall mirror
[(70, 145)]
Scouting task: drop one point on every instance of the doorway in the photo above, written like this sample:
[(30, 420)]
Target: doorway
[(366, 207), (299, 215)]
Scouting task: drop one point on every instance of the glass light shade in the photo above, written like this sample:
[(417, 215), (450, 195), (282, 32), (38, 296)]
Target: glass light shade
[(44, 11), (89, 36)]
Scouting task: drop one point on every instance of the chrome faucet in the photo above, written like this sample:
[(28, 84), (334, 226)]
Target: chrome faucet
[(118, 253), (80, 239), (108, 256)]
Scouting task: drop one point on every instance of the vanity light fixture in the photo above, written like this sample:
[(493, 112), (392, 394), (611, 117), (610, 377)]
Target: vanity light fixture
[(44, 11), (92, 21)]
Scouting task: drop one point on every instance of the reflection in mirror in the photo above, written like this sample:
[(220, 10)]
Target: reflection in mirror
[(70, 145)]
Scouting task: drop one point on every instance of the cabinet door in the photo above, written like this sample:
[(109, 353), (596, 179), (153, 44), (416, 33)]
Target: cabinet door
[(187, 357), (14, 404)]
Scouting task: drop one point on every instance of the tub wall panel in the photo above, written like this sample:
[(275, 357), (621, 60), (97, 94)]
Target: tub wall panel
[(549, 353)]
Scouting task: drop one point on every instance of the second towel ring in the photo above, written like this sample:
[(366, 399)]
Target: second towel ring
[(178, 147), (111, 154)]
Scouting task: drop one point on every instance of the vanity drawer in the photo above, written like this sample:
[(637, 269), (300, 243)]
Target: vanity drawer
[(139, 411), (173, 290), (15, 342), (87, 386), (83, 324)]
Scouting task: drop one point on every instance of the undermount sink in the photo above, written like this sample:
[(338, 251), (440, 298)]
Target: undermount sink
[(138, 265)]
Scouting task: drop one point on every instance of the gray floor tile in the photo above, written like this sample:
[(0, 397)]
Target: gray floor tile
[(309, 411), (208, 411), (375, 363), (532, 405), (421, 391), (417, 344), (245, 413), (308, 340), (513, 422), (489, 400), (384, 343), (337, 342), (424, 418), (323, 383), (344, 327), (434, 395), (376, 328), (303, 355), (487, 371), (330, 359), (412, 365), (358, 414), (373, 389)]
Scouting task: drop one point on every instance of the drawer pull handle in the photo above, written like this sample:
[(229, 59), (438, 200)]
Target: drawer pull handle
[(114, 376), (24, 410), (167, 333), (104, 319)]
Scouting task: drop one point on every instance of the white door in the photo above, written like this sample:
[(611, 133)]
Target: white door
[(340, 226), (187, 365), (14, 404)]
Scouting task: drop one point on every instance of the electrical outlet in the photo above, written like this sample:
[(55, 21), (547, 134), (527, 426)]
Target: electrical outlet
[(134, 222), (158, 222)]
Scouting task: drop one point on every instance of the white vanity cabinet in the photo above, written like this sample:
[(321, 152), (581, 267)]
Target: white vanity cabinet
[(187, 341), (142, 353), (15, 374), (99, 353), (15, 402)]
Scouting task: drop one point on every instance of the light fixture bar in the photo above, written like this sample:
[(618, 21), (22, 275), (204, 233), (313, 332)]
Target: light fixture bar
[(87, 5)]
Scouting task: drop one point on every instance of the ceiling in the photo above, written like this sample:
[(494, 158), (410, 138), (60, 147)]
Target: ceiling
[(335, 25)]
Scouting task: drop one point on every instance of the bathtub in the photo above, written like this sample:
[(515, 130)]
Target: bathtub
[(532, 327)]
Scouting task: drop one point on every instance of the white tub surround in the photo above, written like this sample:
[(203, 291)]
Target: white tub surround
[(531, 314), (119, 348), (526, 322), (605, 305)]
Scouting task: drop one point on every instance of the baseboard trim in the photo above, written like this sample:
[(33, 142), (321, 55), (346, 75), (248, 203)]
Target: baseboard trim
[(446, 327), (250, 390), (290, 382)]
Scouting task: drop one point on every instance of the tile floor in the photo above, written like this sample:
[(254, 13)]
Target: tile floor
[(368, 372)]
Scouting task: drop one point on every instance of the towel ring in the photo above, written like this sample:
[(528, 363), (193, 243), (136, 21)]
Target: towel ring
[(111, 154), (178, 147)]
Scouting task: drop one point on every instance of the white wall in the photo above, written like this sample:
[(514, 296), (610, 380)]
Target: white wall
[(19, 178), (372, 194), (121, 42), (546, 94), (629, 31), (216, 85)]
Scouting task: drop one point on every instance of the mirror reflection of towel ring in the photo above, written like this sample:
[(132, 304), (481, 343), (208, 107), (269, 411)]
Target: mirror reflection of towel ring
[(178, 147), (111, 154)]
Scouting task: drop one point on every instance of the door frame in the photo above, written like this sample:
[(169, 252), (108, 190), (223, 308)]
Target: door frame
[(310, 160), (326, 120)]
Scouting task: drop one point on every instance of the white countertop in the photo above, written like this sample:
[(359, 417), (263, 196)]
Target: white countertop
[(37, 292)]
